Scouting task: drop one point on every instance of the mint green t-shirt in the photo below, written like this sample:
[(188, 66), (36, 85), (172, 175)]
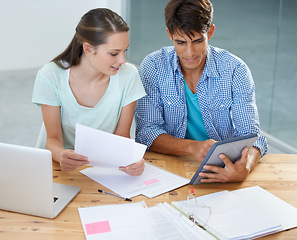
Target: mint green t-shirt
[(195, 126), (52, 88)]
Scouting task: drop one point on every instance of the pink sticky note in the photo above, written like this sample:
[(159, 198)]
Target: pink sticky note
[(151, 181), (97, 227)]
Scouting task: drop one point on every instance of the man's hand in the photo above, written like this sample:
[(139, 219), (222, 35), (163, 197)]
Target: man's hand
[(199, 149), (232, 172)]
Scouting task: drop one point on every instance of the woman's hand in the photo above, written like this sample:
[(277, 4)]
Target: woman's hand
[(69, 160), (135, 169)]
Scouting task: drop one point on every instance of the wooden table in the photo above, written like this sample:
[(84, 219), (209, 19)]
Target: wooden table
[(276, 173)]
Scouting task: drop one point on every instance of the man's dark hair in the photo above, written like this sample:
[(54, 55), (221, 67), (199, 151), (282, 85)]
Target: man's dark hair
[(188, 16)]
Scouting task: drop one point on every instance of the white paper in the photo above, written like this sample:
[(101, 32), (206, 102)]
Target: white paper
[(119, 221), (153, 182), (170, 224), (134, 221), (105, 149), (231, 217), (272, 205)]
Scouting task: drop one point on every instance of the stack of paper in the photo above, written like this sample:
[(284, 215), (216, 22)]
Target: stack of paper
[(122, 221), (153, 182), (168, 223), (280, 210), (107, 152), (134, 221), (242, 214), (230, 217)]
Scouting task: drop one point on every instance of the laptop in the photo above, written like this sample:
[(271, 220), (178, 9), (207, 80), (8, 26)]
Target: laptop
[(26, 182)]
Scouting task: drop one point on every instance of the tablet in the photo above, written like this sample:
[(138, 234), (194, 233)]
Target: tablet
[(231, 148)]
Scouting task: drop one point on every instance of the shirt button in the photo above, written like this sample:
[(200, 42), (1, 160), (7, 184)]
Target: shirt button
[(222, 105), (184, 123), (169, 103)]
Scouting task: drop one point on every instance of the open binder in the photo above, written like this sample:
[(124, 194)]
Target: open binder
[(247, 213)]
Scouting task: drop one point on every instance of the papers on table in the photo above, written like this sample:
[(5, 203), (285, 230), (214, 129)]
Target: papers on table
[(108, 151), (134, 221), (280, 210), (153, 182), (105, 149), (113, 222), (241, 214), (168, 223)]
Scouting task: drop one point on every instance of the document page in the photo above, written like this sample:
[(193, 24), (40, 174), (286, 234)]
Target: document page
[(226, 210), (153, 182), (231, 217), (105, 149), (137, 222), (114, 222), (272, 205), (170, 224)]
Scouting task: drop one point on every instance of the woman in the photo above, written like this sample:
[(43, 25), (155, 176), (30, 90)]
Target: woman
[(89, 83)]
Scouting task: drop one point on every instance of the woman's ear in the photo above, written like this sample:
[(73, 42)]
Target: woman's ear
[(88, 48)]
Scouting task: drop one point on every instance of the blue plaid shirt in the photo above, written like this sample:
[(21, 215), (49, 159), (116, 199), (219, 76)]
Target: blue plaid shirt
[(226, 95)]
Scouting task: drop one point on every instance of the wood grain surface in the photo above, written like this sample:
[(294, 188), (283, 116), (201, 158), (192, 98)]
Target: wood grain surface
[(276, 173)]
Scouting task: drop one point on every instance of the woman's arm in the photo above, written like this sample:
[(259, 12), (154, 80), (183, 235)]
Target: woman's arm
[(67, 158), (123, 129), (125, 120)]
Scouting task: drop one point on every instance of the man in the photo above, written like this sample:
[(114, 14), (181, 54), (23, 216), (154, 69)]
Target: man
[(197, 94)]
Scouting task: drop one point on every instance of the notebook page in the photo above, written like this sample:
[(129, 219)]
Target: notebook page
[(171, 225), (257, 196), (231, 217)]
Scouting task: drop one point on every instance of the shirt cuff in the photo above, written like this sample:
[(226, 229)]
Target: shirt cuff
[(261, 144), (148, 136)]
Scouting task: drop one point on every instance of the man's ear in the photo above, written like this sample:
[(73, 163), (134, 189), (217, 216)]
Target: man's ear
[(88, 48), (169, 34), (211, 31)]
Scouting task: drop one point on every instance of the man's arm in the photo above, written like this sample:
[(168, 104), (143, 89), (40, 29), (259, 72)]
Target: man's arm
[(168, 144), (246, 120), (254, 156), (244, 109)]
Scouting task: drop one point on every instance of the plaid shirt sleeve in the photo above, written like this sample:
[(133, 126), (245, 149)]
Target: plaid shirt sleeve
[(149, 110), (244, 108), (227, 98)]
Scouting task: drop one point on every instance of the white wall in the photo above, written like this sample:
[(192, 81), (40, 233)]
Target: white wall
[(32, 32)]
